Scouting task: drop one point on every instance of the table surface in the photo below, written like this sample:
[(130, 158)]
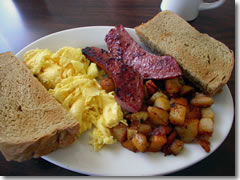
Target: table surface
[(24, 21)]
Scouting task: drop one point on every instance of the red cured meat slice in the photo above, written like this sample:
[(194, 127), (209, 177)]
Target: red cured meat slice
[(122, 46), (129, 92)]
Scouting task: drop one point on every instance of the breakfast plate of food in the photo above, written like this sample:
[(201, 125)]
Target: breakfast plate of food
[(117, 101)]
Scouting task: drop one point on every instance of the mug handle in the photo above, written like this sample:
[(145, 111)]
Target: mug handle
[(206, 6)]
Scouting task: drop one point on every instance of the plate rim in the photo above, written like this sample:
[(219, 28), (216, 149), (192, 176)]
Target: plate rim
[(145, 174), (63, 31)]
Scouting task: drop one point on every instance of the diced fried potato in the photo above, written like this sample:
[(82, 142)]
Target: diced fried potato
[(205, 144), (189, 130), (151, 87), (206, 126), (138, 116), (176, 147), (173, 86), (202, 101), (177, 114), (207, 113), (180, 100), (162, 103), (185, 90), (171, 137), (159, 126), (204, 137), (144, 128), (198, 94), (181, 81), (140, 142), (146, 95), (119, 132), (162, 130), (134, 124), (157, 142), (129, 145), (193, 112), (131, 133), (157, 95), (157, 115), (107, 84)]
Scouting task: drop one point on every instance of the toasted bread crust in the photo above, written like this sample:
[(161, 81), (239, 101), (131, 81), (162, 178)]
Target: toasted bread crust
[(207, 62), (37, 148), (32, 122)]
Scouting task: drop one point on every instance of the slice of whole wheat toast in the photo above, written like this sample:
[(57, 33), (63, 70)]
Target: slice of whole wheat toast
[(207, 62), (32, 122)]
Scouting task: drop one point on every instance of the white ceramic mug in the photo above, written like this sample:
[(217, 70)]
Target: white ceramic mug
[(188, 9)]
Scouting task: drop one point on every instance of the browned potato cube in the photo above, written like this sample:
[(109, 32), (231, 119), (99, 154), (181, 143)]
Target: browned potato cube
[(185, 90), (176, 147), (157, 95), (129, 145), (204, 137), (157, 142), (198, 94), (140, 142), (144, 128), (206, 126), (138, 116), (171, 137), (180, 100), (151, 87), (162, 130), (162, 103), (119, 132), (204, 142), (189, 130), (131, 133), (134, 124), (146, 95), (107, 84), (193, 112), (173, 86), (202, 101), (177, 114), (157, 115), (207, 113)]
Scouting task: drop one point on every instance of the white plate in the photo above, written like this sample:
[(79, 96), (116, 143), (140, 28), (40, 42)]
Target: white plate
[(114, 160)]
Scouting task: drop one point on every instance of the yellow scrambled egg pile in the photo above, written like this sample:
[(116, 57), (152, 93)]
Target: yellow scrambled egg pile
[(71, 78)]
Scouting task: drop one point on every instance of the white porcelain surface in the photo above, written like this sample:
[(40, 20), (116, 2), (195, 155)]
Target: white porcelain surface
[(114, 160), (188, 9)]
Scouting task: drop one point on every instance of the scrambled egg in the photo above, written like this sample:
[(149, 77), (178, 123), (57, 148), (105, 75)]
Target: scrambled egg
[(71, 78)]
